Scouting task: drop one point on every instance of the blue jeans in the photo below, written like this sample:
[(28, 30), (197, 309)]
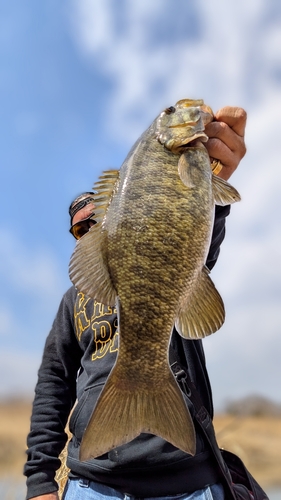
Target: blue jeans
[(82, 489)]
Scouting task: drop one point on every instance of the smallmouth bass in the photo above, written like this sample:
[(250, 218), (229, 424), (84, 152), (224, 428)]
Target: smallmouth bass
[(147, 254)]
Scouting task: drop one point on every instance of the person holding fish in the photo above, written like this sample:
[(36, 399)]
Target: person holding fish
[(147, 240)]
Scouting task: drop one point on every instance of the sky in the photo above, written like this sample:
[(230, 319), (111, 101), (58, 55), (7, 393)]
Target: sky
[(80, 80)]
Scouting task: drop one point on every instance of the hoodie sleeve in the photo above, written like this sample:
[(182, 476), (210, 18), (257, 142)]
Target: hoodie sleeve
[(218, 235), (55, 394)]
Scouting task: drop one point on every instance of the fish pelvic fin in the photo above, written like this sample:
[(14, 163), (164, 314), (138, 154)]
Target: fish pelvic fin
[(203, 312), (88, 269), (122, 414), (224, 193)]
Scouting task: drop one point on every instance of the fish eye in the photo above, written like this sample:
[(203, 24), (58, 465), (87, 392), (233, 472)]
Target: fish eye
[(170, 110)]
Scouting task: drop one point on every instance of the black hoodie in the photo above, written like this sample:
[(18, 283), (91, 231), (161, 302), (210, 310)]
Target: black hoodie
[(79, 353)]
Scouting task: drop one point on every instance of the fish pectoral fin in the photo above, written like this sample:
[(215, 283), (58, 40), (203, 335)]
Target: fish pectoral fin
[(122, 414), (87, 269), (203, 312), (224, 193), (185, 170), (188, 165)]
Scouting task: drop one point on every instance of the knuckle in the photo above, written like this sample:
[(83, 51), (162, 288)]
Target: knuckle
[(242, 114), (220, 128)]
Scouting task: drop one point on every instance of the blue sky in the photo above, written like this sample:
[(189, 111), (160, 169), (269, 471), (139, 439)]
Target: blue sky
[(80, 80)]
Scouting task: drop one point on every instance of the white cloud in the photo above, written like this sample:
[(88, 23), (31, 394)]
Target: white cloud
[(229, 62), (93, 25), (233, 58)]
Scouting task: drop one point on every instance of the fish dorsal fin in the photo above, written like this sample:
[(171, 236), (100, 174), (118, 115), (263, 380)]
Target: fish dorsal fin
[(88, 269), (203, 312), (224, 193)]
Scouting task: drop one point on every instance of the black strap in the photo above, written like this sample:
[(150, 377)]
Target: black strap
[(239, 473), (202, 418)]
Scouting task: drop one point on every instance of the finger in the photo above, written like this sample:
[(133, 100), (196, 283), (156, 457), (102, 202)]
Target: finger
[(219, 151), (225, 133), (234, 117)]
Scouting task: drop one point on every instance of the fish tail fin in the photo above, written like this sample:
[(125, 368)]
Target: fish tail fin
[(122, 414), (168, 417), (224, 193)]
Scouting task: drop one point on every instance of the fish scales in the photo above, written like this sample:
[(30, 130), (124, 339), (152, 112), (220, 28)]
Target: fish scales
[(144, 244), (150, 247)]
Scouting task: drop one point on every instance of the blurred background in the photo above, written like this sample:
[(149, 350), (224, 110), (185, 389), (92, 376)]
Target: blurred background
[(79, 82)]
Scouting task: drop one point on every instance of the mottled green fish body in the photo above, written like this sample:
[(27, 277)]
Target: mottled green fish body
[(147, 253)]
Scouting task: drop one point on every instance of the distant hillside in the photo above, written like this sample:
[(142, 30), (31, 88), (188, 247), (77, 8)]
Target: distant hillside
[(256, 406), (252, 431)]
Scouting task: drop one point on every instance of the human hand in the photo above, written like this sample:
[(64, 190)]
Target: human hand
[(226, 139), (48, 496)]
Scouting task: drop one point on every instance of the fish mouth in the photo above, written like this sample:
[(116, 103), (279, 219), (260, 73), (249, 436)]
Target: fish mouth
[(183, 125)]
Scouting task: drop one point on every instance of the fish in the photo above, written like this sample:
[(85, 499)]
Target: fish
[(146, 254)]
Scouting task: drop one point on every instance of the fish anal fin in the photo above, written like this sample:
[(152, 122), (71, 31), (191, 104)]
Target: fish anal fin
[(203, 312), (224, 193), (121, 415)]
